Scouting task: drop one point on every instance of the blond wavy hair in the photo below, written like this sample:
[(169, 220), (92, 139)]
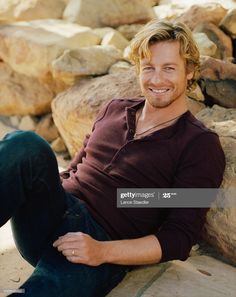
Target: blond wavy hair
[(156, 31)]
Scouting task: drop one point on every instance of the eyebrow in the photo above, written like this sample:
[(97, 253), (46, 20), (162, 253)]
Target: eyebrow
[(165, 64)]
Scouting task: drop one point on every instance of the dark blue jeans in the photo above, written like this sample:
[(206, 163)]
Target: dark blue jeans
[(40, 210)]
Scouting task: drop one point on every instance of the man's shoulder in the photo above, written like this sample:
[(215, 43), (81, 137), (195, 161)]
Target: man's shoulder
[(196, 126), (195, 133)]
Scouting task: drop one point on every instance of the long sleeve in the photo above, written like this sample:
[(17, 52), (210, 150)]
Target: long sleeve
[(201, 166)]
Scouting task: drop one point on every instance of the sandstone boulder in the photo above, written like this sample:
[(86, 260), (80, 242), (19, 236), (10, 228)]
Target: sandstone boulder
[(30, 47), (101, 32), (119, 67), (27, 123), (116, 39), (219, 38), (228, 23), (46, 128), (22, 95), (15, 10), (219, 79), (205, 45), (215, 69), (129, 31), (4, 129), (100, 13), (221, 92), (221, 222), (58, 146), (199, 276), (94, 60), (196, 94), (210, 12), (168, 11)]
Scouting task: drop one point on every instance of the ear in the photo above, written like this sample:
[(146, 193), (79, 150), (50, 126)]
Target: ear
[(190, 72), (190, 75)]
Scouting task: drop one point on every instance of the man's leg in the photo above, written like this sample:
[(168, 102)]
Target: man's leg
[(55, 276), (30, 191)]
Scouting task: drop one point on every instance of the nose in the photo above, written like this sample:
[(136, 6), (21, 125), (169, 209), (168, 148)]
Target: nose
[(156, 77)]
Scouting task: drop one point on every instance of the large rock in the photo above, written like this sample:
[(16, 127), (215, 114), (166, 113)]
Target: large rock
[(4, 129), (15, 10), (218, 37), (199, 276), (221, 222), (205, 45), (221, 92), (94, 60), (46, 128), (22, 95), (129, 31), (30, 47), (228, 23), (219, 81), (74, 110), (100, 13), (214, 69), (210, 12), (115, 39)]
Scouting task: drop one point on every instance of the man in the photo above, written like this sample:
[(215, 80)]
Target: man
[(79, 241)]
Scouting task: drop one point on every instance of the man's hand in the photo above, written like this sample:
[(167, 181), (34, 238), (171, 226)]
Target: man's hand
[(79, 247)]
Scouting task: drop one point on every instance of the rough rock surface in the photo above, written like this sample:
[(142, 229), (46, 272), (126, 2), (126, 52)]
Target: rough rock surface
[(15, 10), (30, 47), (22, 95), (100, 13), (210, 12), (199, 276), (116, 39), (93, 60), (205, 45), (219, 38), (228, 23), (47, 129), (220, 226), (219, 81)]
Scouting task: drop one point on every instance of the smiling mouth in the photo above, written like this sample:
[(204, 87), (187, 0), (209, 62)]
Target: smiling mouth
[(159, 91)]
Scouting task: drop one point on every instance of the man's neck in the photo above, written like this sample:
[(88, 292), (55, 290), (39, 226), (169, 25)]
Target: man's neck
[(158, 115)]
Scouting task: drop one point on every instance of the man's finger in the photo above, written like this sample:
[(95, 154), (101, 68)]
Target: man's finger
[(69, 237)]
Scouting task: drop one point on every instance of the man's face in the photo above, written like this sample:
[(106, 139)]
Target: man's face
[(163, 78)]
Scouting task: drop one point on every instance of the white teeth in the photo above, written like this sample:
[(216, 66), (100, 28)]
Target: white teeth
[(159, 91)]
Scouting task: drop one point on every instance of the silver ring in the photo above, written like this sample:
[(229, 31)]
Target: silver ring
[(73, 252)]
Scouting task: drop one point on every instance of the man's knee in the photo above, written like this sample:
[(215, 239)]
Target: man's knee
[(19, 145)]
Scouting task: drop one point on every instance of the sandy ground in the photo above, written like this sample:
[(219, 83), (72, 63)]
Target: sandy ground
[(14, 270)]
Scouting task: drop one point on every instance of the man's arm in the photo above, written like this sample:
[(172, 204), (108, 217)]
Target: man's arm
[(82, 248)]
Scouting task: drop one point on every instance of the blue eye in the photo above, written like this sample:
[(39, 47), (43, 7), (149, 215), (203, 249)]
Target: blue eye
[(169, 68), (147, 68)]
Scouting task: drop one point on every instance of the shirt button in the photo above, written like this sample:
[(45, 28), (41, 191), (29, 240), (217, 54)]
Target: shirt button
[(132, 113), (131, 131)]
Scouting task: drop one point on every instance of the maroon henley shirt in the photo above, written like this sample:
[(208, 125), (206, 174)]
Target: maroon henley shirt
[(183, 155)]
